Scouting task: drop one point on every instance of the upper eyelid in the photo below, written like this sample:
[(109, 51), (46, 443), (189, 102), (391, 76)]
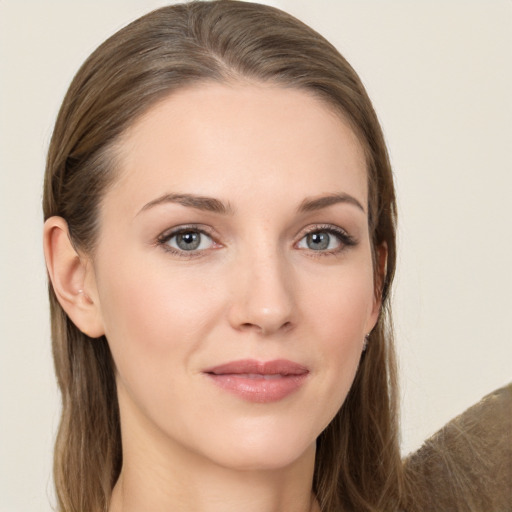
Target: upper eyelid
[(344, 237), (322, 227), (210, 232), (167, 235), (163, 239), (201, 228)]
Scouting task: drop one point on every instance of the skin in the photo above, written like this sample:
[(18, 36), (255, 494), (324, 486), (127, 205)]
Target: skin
[(256, 288)]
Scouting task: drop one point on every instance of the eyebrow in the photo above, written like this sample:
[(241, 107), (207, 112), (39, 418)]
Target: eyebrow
[(208, 204), (313, 204)]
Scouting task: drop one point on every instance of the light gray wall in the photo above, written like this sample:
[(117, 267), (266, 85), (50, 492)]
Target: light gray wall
[(439, 73)]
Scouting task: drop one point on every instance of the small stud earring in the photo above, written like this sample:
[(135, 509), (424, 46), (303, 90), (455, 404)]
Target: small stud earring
[(365, 342)]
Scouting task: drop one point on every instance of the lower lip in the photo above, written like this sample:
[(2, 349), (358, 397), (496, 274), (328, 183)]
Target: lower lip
[(260, 388)]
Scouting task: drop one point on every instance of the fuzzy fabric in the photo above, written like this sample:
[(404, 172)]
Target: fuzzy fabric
[(467, 465)]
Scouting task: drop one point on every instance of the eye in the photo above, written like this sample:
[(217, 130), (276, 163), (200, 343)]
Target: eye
[(319, 241), (186, 240), (326, 239)]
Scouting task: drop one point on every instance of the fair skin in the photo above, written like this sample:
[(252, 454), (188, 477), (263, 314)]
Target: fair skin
[(277, 267)]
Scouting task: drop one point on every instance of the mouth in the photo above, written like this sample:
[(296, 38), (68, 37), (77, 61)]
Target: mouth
[(259, 381)]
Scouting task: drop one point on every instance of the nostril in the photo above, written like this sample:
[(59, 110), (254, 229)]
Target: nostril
[(264, 328)]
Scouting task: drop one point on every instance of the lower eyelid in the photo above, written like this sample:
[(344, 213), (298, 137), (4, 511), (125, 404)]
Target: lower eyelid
[(164, 239), (344, 240)]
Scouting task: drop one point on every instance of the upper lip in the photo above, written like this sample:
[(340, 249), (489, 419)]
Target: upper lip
[(252, 366)]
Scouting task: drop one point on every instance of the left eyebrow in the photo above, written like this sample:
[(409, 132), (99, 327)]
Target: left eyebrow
[(317, 203)]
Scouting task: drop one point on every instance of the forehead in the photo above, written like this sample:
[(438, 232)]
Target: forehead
[(254, 138)]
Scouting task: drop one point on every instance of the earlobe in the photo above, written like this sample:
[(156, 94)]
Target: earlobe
[(72, 278)]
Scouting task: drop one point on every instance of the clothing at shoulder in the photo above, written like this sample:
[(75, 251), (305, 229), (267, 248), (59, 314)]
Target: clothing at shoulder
[(467, 465)]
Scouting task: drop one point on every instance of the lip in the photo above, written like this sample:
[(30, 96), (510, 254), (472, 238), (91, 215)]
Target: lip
[(259, 381)]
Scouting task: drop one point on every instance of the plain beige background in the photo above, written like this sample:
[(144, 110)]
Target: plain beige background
[(439, 73)]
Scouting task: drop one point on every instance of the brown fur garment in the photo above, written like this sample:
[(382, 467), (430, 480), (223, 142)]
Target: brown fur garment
[(467, 465)]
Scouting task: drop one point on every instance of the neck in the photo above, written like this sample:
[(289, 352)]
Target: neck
[(163, 476), (249, 492), (191, 487)]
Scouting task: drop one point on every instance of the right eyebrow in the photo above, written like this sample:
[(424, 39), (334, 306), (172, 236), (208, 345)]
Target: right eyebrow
[(209, 204)]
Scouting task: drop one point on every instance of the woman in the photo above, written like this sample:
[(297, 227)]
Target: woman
[(220, 239)]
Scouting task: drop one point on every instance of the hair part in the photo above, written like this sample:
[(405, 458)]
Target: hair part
[(358, 463)]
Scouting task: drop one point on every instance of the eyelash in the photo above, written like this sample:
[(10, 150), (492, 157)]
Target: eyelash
[(346, 241), (343, 237), (164, 238)]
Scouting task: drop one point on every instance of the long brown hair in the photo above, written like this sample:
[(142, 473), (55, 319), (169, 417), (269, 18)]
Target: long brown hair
[(358, 463)]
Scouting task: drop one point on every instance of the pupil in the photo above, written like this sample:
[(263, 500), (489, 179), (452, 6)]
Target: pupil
[(188, 241), (318, 241)]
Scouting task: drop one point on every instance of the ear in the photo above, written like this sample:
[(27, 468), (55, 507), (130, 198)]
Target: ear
[(381, 263), (72, 278)]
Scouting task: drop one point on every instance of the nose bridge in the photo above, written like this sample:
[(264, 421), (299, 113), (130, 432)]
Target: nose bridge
[(264, 298)]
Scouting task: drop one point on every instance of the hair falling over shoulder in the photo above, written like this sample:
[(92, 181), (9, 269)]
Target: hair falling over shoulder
[(358, 465)]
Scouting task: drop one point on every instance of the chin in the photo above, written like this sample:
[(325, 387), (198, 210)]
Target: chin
[(263, 451)]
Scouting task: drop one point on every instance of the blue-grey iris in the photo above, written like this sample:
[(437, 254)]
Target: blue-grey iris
[(318, 241), (188, 241)]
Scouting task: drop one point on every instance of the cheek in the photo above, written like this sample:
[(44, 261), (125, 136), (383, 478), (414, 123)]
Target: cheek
[(340, 313), (153, 317), (155, 322), (158, 319), (144, 297), (343, 306)]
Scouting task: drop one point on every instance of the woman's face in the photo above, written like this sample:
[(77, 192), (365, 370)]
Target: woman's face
[(233, 273)]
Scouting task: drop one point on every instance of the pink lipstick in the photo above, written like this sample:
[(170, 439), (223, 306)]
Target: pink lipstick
[(259, 381)]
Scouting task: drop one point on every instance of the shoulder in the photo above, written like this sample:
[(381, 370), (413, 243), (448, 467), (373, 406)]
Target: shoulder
[(467, 465)]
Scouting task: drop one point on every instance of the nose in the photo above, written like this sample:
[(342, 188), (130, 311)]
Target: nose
[(263, 300)]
